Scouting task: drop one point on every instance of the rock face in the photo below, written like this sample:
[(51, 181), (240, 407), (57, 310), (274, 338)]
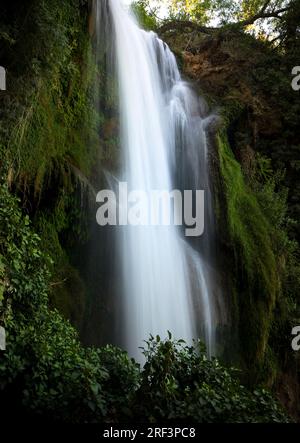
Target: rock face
[(251, 82), (225, 77), (227, 67), (248, 82)]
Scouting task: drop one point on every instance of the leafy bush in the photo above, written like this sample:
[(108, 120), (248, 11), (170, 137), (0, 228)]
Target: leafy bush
[(179, 384), (48, 372), (45, 364)]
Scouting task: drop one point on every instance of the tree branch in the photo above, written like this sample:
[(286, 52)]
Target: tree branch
[(264, 8), (263, 14)]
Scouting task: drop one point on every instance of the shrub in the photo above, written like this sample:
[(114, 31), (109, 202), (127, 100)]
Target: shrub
[(47, 371), (180, 384)]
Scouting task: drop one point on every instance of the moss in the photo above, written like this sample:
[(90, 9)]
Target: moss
[(57, 128), (248, 226), (49, 116), (50, 129), (257, 279)]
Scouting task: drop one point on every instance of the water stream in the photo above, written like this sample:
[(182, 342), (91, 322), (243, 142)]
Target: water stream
[(166, 279)]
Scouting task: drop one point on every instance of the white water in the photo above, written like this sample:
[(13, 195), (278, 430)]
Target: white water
[(165, 283)]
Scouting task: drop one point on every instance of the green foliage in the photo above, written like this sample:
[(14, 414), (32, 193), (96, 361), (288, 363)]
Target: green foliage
[(44, 360), (180, 384), (191, 10), (288, 30), (47, 370), (145, 15), (17, 242), (122, 383), (49, 116), (226, 11), (265, 260), (248, 226), (49, 127), (256, 278)]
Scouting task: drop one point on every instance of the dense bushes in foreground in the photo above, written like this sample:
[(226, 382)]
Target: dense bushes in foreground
[(47, 372)]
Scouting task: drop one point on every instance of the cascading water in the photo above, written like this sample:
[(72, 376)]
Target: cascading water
[(166, 285)]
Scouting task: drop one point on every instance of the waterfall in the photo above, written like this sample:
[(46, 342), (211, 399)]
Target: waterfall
[(167, 281)]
